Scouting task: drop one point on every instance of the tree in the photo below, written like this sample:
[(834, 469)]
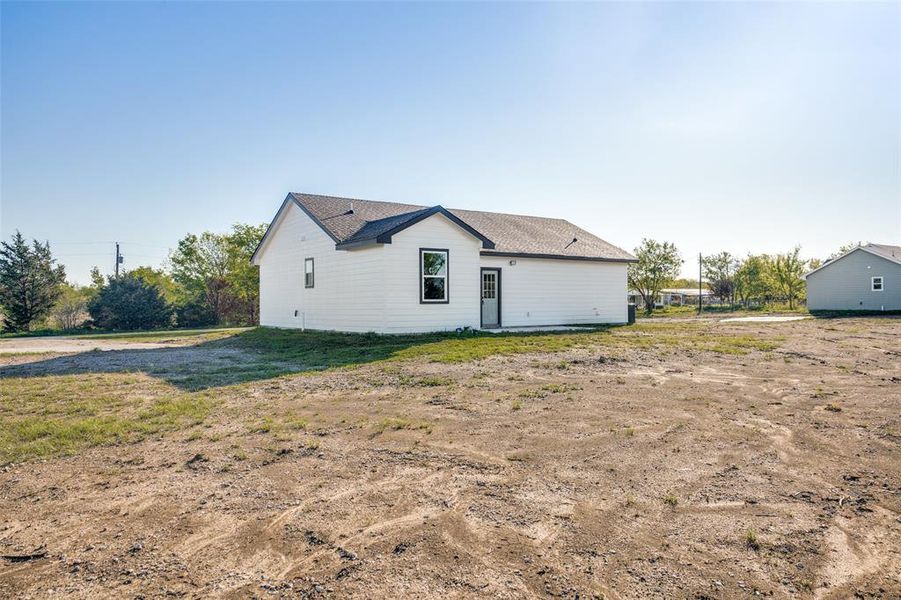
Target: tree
[(719, 271), (685, 282), (658, 264), (97, 281), (30, 282), (788, 270), (243, 277), (845, 249), (194, 313), (71, 308), (753, 279), (129, 302), (158, 279), (214, 276), (200, 266)]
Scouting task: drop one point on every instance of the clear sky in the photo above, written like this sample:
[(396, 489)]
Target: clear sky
[(718, 126)]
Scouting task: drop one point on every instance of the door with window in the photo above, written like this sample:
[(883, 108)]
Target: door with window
[(491, 298)]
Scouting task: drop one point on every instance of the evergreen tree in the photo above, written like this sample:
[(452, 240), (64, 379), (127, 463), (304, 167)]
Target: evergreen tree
[(129, 302), (30, 282)]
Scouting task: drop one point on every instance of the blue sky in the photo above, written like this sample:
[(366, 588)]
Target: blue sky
[(718, 126)]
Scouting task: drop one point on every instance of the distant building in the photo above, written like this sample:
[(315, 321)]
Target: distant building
[(674, 297), (865, 278)]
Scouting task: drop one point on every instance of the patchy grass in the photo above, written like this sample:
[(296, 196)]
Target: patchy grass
[(560, 388), (751, 540), (533, 394), (26, 354), (399, 423), (44, 415), (161, 337), (670, 500), (409, 380), (721, 311), (292, 350), (65, 414)]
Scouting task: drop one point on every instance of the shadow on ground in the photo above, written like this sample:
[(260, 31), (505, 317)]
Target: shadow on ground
[(265, 353)]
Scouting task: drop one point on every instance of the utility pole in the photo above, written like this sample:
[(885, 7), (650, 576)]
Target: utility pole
[(119, 260), (700, 277)]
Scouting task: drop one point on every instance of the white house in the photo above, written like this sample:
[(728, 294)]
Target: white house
[(866, 278), (358, 265)]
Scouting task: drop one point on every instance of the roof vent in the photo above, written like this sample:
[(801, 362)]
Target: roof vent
[(571, 243)]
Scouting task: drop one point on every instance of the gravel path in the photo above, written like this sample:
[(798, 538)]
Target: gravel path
[(64, 344)]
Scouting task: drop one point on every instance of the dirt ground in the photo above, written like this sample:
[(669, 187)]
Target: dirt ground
[(627, 471)]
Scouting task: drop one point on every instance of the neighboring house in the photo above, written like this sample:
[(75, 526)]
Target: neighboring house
[(866, 278), (673, 297), (359, 265)]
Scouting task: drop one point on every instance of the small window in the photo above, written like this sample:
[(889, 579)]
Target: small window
[(876, 284), (433, 275), (308, 272)]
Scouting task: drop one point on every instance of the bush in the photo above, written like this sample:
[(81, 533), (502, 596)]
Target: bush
[(70, 310), (195, 314), (129, 302)]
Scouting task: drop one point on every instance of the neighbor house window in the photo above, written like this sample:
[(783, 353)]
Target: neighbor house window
[(433, 275), (308, 272), (876, 284)]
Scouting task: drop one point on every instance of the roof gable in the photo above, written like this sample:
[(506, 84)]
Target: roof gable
[(381, 231), (888, 252), (354, 223)]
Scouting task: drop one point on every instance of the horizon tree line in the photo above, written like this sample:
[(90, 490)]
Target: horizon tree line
[(209, 280)]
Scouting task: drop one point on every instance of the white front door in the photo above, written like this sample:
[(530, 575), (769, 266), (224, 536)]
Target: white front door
[(491, 313)]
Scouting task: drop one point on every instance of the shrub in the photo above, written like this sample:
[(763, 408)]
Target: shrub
[(130, 303), (195, 314)]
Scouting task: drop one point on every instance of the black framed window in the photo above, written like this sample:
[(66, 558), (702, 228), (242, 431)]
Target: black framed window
[(876, 284), (308, 278), (433, 276)]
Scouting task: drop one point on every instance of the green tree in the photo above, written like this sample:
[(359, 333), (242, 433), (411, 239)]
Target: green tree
[(30, 282), (214, 276), (788, 270), (200, 266), (658, 264), (243, 277), (753, 279), (719, 271), (160, 280), (128, 303), (71, 308), (845, 249), (97, 281)]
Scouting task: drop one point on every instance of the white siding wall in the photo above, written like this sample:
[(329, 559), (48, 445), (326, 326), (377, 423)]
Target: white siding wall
[(403, 311), (348, 292), (377, 288), (846, 284), (558, 292)]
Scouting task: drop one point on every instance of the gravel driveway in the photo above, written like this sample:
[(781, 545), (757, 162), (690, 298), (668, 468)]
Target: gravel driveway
[(71, 344)]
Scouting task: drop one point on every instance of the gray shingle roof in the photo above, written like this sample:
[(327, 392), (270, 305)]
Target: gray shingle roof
[(890, 252), (510, 234)]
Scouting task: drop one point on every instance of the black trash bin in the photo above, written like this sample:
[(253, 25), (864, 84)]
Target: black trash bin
[(631, 314)]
